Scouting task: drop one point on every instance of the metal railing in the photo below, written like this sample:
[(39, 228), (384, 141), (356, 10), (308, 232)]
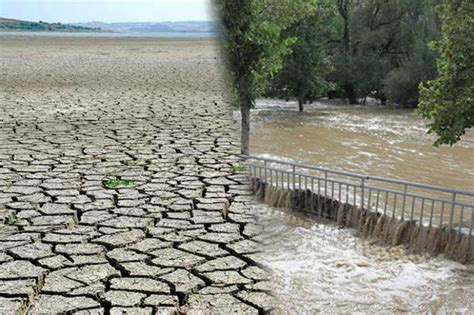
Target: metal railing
[(428, 205)]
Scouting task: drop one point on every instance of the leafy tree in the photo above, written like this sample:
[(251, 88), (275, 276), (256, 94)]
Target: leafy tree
[(305, 70), (401, 84), (418, 62), (254, 41), (344, 71), (378, 37), (448, 101)]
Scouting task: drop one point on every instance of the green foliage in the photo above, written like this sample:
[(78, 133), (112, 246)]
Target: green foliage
[(237, 168), (401, 84), (254, 38), (360, 48), (13, 25), (305, 70), (378, 41), (448, 101), (255, 43), (356, 48), (12, 219), (114, 183)]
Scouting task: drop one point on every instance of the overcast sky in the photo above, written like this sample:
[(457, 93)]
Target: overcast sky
[(68, 11)]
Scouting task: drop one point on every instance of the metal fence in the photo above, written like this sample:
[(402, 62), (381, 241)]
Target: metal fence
[(428, 205)]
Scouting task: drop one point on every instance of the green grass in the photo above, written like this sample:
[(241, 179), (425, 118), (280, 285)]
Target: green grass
[(237, 168), (113, 183), (133, 162), (11, 219)]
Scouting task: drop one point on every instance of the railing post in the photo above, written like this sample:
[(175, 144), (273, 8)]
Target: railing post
[(451, 215), (441, 217), (403, 187), (472, 221), (369, 199), (405, 191), (265, 170), (461, 219), (394, 213), (305, 192), (432, 212), (362, 185), (422, 210), (294, 177), (325, 183)]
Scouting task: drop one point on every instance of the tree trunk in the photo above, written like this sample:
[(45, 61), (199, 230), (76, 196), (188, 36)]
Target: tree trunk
[(344, 7), (245, 112), (300, 104), (350, 94)]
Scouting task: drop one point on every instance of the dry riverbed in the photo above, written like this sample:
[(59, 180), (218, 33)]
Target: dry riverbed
[(176, 233)]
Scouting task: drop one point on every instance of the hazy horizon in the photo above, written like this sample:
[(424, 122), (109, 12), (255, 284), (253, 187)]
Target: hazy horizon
[(107, 11)]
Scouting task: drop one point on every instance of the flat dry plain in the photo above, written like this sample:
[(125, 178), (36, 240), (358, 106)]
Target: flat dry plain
[(178, 237)]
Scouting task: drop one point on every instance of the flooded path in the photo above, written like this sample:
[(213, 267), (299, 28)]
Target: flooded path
[(320, 268)]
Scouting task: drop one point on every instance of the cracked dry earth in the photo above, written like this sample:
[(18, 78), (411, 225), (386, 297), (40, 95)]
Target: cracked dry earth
[(180, 238)]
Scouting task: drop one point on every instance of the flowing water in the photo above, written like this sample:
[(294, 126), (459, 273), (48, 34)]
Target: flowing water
[(381, 142), (320, 268)]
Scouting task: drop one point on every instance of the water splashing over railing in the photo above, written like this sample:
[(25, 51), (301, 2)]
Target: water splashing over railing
[(432, 207)]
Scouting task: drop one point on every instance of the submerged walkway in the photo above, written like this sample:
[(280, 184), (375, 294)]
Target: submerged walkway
[(178, 237)]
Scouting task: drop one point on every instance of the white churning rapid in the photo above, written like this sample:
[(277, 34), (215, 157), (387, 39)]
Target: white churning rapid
[(319, 267)]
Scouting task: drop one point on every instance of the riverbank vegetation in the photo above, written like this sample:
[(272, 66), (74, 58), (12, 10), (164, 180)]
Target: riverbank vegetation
[(448, 100), (354, 49), (255, 44), (371, 48)]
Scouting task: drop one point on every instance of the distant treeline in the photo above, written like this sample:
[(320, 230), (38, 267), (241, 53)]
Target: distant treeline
[(18, 25), (181, 26), (358, 49)]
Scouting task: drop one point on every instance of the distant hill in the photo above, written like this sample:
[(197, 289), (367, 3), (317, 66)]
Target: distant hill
[(19, 25), (144, 27)]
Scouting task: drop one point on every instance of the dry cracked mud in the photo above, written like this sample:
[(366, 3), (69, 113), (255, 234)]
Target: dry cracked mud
[(179, 236)]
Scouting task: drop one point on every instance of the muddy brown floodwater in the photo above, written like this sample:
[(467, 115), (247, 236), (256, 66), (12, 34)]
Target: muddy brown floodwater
[(320, 268), (389, 143)]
